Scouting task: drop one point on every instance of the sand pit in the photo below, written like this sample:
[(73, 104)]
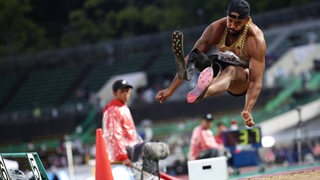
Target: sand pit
[(313, 174)]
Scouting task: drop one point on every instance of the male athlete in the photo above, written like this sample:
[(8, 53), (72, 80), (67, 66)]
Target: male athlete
[(237, 67)]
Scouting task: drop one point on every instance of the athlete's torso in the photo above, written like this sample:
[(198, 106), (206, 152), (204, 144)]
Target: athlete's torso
[(238, 46)]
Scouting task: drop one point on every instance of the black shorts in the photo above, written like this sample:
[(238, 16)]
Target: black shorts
[(219, 65)]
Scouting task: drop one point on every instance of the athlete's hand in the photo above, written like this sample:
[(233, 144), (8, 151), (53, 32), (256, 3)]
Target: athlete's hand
[(163, 95), (247, 117)]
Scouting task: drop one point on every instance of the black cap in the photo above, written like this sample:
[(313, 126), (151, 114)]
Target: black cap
[(120, 84), (208, 117), (241, 7)]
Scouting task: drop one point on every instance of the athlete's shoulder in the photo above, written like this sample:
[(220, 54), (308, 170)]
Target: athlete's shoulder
[(217, 27), (256, 33), (219, 23), (256, 39)]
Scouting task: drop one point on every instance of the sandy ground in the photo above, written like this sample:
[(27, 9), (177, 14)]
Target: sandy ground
[(296, 175)]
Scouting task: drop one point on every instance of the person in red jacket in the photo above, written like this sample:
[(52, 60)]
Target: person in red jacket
[(119, 130), (203, 144)]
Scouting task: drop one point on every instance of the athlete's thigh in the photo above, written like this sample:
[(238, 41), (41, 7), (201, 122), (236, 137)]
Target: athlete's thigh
[(235, 73), (240, 82), (241, 74)]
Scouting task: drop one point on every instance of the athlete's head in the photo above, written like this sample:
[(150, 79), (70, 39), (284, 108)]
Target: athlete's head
[(238, 14)]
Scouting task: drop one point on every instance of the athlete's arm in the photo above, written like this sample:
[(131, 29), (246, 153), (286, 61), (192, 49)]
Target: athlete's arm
[(257, 51), (210, 36), (162, 95)]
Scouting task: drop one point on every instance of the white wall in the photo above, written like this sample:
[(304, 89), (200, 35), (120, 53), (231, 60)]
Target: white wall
[(293, 62), (290, 118)]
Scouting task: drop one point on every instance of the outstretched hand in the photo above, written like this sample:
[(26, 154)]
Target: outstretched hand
[(163, 95), (247, 117)]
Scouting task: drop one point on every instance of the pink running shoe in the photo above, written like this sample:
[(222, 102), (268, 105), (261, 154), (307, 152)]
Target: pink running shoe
[(204, 80)]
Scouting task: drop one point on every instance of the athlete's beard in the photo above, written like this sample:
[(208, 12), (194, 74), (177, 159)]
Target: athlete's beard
[(234, 32)]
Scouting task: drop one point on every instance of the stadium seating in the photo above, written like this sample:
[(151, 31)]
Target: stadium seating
[(297, 37), (6, 83), (162, 64), (43, 88)]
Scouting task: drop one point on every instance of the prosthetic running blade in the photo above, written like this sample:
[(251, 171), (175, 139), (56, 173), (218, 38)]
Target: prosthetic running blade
[(177, 47)]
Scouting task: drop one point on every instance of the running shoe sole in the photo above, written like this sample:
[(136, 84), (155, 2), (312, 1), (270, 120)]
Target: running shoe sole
[(204, 81)]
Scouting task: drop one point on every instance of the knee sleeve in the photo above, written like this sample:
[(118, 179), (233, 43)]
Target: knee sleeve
[(201, 60)]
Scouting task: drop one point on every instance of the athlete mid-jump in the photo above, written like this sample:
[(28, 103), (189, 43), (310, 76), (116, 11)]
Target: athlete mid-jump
[(237, 67)]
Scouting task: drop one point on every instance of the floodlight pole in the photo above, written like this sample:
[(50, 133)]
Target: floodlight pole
[(70, 159), (299, 136)]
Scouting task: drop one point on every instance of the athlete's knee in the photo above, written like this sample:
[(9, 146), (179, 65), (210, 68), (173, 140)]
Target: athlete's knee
[(236, 73), (230, 70)]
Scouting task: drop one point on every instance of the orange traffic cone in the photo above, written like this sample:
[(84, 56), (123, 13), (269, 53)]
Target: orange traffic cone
[(103, 167)]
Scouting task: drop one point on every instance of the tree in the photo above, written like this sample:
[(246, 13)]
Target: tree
[(99, 20), (151, 18), (81, 30), (18, 33)]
